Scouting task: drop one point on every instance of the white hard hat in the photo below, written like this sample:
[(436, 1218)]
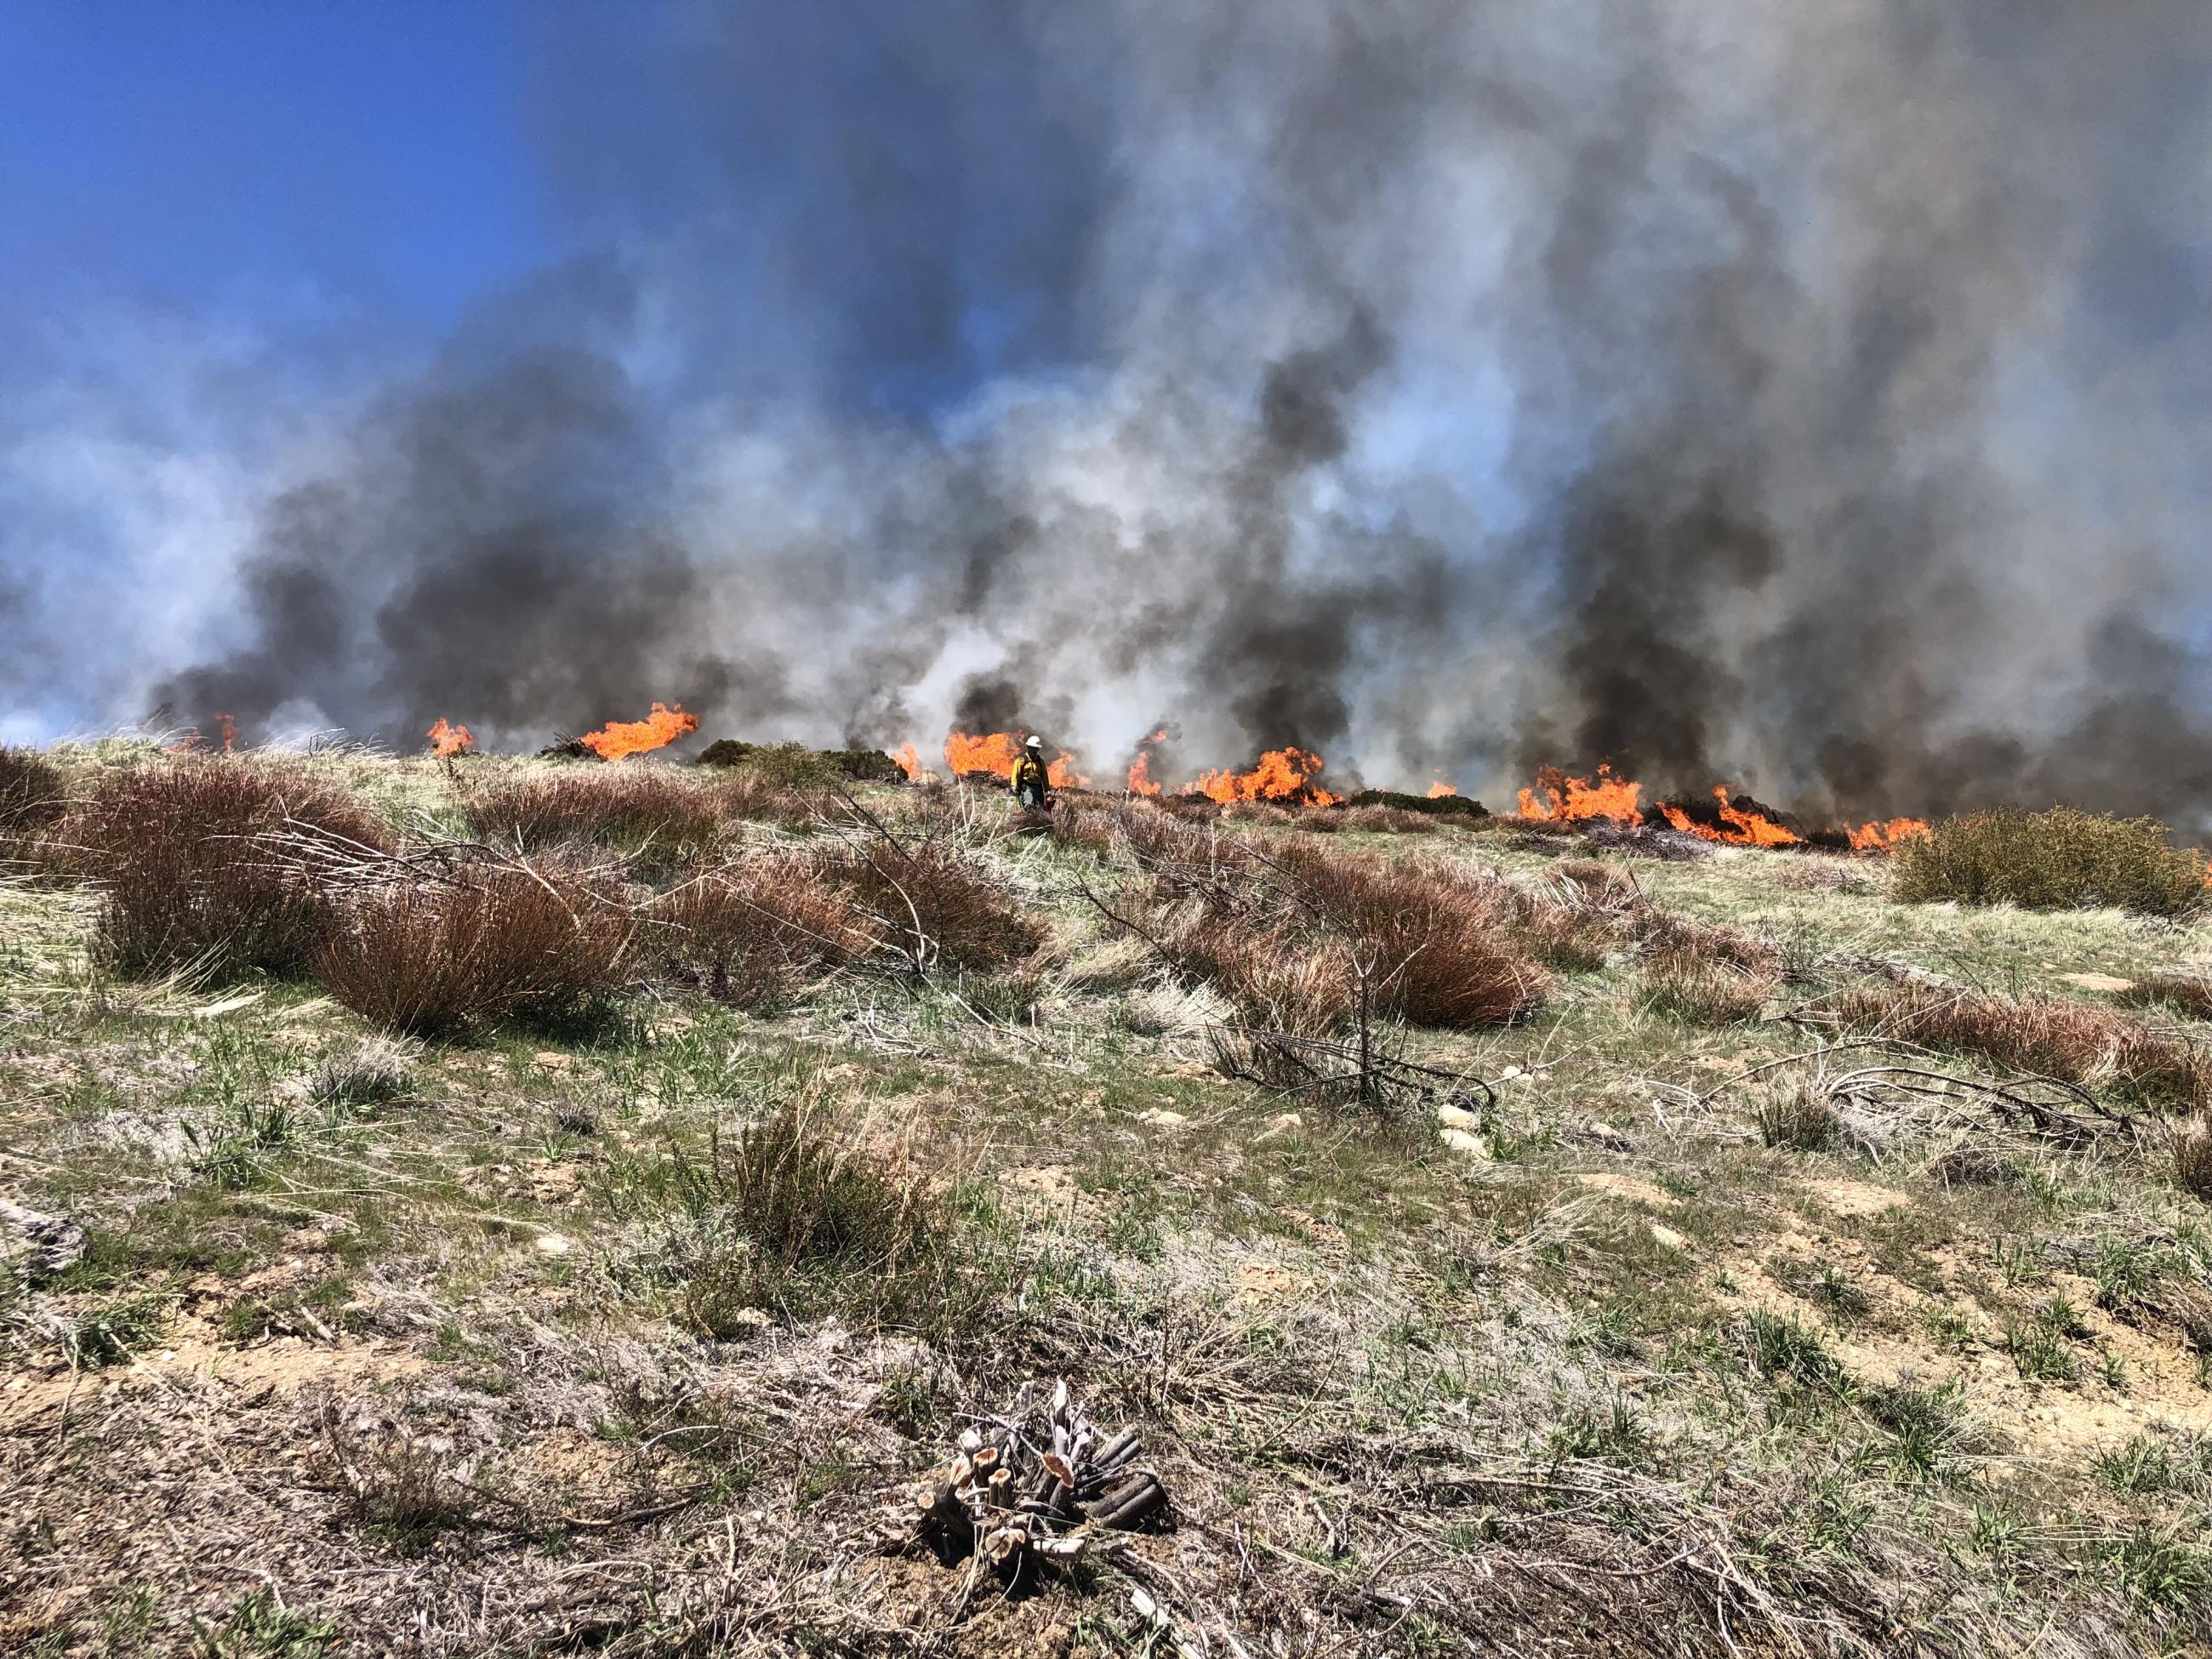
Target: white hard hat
[(1034, 743)]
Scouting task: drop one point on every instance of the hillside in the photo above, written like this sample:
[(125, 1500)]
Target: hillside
[(1502, 1244)]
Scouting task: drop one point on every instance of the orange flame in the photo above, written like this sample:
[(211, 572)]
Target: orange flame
[(1743, 829), (1440, 789), (447, 740), (996, 753), (909, 760), (1571, 799), (196, 740), (1283, 775), (1882, 836), (1141, 781), (657, 731)]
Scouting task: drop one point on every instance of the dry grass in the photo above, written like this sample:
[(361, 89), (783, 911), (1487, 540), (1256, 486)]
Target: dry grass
[(1704, 990), (796, 1219), (2192, 1157), (651, 814), (2063, 859), (1798, 1119), (449, 957), (2050, 1036), (928, 904), (1291, 936), (188, 851), (755, 933), (33, 795), (1442, 953), (2189, 994)]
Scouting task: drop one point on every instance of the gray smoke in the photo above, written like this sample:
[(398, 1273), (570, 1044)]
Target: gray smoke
[(1803, 398)]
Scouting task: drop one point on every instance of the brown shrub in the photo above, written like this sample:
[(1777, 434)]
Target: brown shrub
[(753, 933), (2048, 1035), (494, 943), (929, 903), (194, 854), (2192, 1157), (33, 795), (1664, 933), (1441, 950), (651, 814), (2189, 994)]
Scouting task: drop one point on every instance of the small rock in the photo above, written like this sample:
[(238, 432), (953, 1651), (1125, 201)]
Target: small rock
[(1163, 1117), (1281, 1124), (1509, 1074), (1468, 1146), (555, 1243), (1606, 1135), (1666, 1238), (1457, 1117)]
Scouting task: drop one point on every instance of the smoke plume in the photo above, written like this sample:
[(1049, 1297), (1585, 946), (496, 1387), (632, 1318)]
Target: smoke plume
[(1805, 399)]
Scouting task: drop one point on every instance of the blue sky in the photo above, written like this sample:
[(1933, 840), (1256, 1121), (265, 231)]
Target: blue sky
[(300, 163)]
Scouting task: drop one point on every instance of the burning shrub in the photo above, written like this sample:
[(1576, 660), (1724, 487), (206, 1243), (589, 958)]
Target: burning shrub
[(753, 933), (496, 943), (2063, 859), (2048, 1035), (929, 903), (32, 798), (198, 857)]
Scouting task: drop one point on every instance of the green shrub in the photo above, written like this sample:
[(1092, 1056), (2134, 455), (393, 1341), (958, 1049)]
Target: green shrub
[(1445, 807), (793, 765), (2063, 859)]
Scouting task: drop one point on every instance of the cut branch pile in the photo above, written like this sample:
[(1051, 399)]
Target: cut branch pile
[(1037, 1484)]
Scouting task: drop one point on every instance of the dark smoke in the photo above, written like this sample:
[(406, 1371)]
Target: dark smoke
[(1804, 400)]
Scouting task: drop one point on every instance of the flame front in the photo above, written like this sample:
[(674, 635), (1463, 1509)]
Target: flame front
[(1741, 828), (1141, 780), (1283, 775), (995, 753), (1570, 800), (1883, 835), (657, 731), (909, 760), (1440, 789), (447, 740)]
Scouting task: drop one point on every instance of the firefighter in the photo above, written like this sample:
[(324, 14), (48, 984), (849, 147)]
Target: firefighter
[(1028, 778)]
